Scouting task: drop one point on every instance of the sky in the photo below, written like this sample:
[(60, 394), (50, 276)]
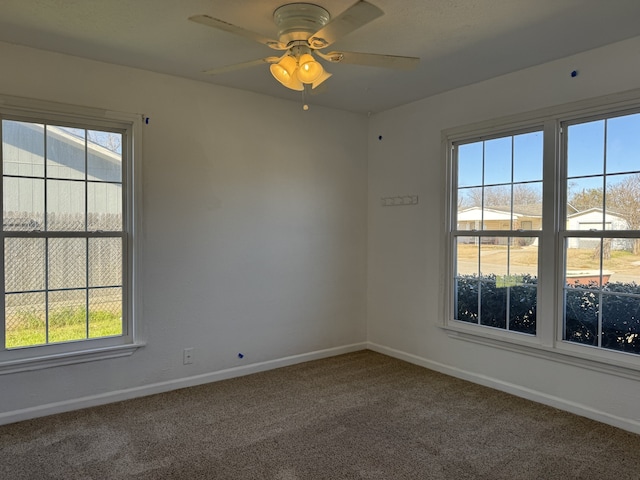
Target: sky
[(525, 150), (614, 142)]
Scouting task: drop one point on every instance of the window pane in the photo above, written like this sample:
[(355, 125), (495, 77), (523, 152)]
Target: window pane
[(467, 256), (585, 149), (470, 165), (493, 256), (493, 304), (104, 162), (467, 198), (67, 316), (104, 207), (581, 316), (623, 143), (585, 203), (65, 152), (621, 261), (23, 204), (67, 263), (523, 260), (25, 319), (523, 301), (24, 260), (527, 206), (105, 312), (22, 148), (623, 202), (65, 205), (583, 262), (467, 288), (466, 296), (493, 266), (496, 213), (497, 161), (105, 262), (527, 157), (621, 322)]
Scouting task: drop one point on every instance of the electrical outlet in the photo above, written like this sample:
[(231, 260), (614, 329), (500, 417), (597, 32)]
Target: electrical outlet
[(187, 356)]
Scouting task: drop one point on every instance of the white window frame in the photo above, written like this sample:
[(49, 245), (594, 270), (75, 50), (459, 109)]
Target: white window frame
[(130, 125), (483, 233), (548, 341)]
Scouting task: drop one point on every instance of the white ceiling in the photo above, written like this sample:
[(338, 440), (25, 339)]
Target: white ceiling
[(459, 41)]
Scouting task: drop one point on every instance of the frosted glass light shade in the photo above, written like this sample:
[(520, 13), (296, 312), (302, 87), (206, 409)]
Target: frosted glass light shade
[(294, 83), (321, 78), (309, 70), (283, 70)]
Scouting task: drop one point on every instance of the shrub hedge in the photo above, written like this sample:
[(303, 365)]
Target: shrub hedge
[(620, 303)]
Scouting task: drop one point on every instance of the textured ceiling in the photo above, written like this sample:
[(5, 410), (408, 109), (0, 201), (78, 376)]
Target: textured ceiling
[(459, 41)]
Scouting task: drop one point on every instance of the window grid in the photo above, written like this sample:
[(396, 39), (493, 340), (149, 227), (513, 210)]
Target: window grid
[(121, 327), (494, 285), (611, 233), (601, 310)]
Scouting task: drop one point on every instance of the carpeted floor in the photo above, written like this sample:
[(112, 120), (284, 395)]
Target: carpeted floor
[(355, 416)]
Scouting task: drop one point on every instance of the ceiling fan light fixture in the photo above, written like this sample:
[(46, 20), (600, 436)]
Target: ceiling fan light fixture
[(325, 75), (284, 70), (295, 83), (309, 69)]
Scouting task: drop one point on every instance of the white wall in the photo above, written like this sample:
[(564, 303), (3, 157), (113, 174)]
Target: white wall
[(255, 235), (405, 243), (254, 230)]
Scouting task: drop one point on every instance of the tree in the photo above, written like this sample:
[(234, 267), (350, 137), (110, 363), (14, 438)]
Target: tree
[(585, 199), (524, 194), (624, 199), (108, 140), (499, 196)]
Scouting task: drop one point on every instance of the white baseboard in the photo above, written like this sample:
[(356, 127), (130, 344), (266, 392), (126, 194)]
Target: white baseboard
[(628, 424), (144, 390)]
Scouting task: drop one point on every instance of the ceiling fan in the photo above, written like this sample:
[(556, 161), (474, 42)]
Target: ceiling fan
[(305, 29)]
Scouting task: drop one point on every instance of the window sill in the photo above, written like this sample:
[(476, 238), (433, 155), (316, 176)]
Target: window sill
[(597, 361), (68, 358)]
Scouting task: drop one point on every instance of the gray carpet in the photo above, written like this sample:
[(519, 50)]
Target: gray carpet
[(355, 416)]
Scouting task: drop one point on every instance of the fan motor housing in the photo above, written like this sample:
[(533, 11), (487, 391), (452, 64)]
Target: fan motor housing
[(298, 21)]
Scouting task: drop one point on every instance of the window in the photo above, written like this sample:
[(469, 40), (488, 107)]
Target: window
[(602, 236), (544, 232), (499, 198), (67, 234)]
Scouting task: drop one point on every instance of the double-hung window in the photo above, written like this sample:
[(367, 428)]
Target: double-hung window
[(498, 193), (601, 234), (544, 231), (67, 197)]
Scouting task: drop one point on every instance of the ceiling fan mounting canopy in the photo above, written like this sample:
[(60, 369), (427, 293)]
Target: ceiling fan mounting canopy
[(299, 21)]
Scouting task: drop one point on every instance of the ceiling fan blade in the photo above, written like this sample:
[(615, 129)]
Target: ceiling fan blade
[(371, 60), (240, 66), (229, 27), (351, 19)]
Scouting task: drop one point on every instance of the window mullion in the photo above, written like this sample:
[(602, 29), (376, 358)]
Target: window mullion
[(546, 324), (86, 229), (46, 242)]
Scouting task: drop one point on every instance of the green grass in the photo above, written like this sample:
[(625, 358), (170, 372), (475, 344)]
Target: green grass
[(65, 325)]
